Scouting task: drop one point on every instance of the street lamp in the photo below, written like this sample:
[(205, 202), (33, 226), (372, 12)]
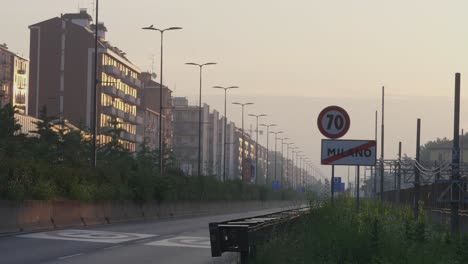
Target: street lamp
[(268, 150), (282, 159), (161, 145), (287, 158), (200, 110), (243, 143), (294, 168), (225, 125), (256, 147), (276, 152), (96, 82)]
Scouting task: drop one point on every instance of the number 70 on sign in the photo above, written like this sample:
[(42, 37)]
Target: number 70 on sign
[(333, 122)]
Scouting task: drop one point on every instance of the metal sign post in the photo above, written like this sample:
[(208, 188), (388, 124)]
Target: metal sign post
[(333, 122)]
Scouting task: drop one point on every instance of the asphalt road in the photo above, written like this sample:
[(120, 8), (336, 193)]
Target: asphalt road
[(170, 241)]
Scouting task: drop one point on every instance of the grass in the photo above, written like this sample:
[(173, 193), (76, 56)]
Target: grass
[(378, 234)]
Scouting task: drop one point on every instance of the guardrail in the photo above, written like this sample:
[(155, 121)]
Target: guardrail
[(241, 235)]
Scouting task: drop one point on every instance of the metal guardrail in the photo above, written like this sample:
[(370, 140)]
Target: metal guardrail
[(241, 235)]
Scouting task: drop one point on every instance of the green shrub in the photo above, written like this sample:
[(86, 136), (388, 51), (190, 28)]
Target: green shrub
[(379, 233)]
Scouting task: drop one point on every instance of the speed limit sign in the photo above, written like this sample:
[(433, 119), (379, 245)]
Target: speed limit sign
[(333, 122)]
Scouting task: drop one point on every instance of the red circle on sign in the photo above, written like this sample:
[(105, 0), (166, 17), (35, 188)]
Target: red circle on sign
[(327, 131)]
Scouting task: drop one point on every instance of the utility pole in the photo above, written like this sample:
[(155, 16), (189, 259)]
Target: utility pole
[(374, 168), (357, 189), (398, 173), (416, 169), (382, 169), (455, 199)]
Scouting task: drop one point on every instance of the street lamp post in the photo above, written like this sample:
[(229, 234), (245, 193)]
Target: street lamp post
[(282, 159), (161, 145), (292, 164), (299, 166), (200, 66), (276, 152), (243, 143), (295, 167), (287, 159), (96, 82), (256, 147), (268, 150), (225, 126)]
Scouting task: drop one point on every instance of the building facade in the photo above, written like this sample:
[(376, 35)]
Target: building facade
[(13, 79), (186, 131), (150, 96), (62, 79)]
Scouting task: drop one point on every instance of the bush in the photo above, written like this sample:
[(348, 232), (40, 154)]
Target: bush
[(379, 233)]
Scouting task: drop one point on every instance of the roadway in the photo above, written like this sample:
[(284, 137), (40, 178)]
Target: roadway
[(169, 241)]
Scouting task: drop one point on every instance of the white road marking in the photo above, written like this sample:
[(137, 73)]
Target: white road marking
[(70, 256), (183, 241), (114, 247), (88, 236)]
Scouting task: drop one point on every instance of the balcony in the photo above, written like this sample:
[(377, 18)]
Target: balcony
[(130, 98), (137, 83), (21, 71), (121, 94), (110, 89), (112, 70), (127, 136), (20, 99), (122, 75), (128, 79), (130, 117), (120, 113), (109, 110)]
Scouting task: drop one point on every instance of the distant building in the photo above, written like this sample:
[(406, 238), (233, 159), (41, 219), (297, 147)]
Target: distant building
[(186, 131), (13, 79), (62, 78), (444, 154), (150, 106)]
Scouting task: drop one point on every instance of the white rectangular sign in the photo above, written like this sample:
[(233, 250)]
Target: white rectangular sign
[(348, 152)]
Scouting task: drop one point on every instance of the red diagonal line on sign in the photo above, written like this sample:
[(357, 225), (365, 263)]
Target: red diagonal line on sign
[(348, 152)]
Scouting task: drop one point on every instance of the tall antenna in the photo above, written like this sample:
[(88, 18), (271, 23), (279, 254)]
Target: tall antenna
[(93, 7)]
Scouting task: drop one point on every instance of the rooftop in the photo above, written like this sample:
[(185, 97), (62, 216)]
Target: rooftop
[(83, 14)]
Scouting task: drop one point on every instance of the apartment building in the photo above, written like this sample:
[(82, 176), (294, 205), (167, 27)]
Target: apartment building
[(13, 79), (150, 108), (185, 141), (232, 152), (62, 78), (215, 137)]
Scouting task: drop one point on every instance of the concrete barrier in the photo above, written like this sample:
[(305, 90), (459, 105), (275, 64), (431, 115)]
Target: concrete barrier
[(8, 214), (44, 215)]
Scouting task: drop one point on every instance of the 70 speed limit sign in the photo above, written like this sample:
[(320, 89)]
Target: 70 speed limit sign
[(333, 122)]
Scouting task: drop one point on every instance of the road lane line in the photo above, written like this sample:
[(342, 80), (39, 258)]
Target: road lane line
[(114, 247), (143, 240), (70, 256)]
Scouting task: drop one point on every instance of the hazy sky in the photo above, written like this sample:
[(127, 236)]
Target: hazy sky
[(292, 58)]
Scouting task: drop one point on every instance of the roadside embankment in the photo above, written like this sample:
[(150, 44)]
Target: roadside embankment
[(35, 215)]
